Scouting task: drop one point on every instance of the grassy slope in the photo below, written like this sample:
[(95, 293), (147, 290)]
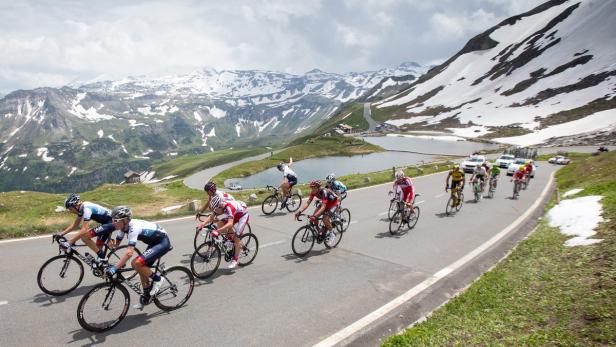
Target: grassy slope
[(318, 147), (189, 164), (543, 294)]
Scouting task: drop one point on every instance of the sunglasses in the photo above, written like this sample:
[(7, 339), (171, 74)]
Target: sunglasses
[(118, 220)]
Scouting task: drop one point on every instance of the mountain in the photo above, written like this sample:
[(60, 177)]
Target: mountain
[(77, 137), (537, 76)]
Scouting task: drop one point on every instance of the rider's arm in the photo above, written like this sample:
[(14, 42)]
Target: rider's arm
[(447, 181), (305, 206), (83, 231), (208, 220), (205, 206), (228, 225), (126, 257), (321, 209), (72, 226)]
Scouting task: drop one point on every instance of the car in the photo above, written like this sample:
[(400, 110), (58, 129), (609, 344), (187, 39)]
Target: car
[(235, 186), (469, 165), (513, 167), (559, 159), (504, 160)]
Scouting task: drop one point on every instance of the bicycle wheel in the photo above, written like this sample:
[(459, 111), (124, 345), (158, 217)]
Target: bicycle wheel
[(103, 307), (332, 241), (269, 205), (396, 222), (177, 289), (303, 241), (115, 255), (250, 248), (461, 202), (345, 220), (414, 217), (205, 260), (393, 207), (294, 202), (199, 238), (450, 208), (60, 275), (491, 192)]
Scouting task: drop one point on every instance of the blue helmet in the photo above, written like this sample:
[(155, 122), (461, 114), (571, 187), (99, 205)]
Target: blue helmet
[(72, 200)]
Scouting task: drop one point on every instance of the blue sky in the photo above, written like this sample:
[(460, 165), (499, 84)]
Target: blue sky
[(53, 43)]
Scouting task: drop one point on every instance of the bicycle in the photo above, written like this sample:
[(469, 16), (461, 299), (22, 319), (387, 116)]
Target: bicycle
[(492, 189), (200, 234), (68, 268), (270, 204), (309, 233), (404, 215), (516, 188), (173, 294), (477, 189), (206, 259), (341, 219), (393, 204), (451, 206), (526, 181)]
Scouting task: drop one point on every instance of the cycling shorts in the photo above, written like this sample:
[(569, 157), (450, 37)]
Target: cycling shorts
[(292, 180), (455, 184), (154, 252), (102, 233), (240, 223)]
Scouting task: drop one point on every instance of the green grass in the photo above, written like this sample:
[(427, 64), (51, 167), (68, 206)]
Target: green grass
[(572, 156), (355, 119), (189, 164), (543, 294), (318, 147)]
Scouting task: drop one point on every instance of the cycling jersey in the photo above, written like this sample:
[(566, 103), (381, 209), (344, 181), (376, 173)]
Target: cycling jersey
[(405, 185), (457, 176), (528, 168), (495, 171), (91, 211), (144, 231), (326, 196), (480, 172), (519, 175), (225, 196), (232, 210), (289, 175), (338, 187)]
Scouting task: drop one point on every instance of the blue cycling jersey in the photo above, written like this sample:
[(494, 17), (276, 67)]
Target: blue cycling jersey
[(144, 231), (338, 187), (91, 211)]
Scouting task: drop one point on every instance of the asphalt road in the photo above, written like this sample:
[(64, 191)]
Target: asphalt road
[(279, 300), (368, 116)]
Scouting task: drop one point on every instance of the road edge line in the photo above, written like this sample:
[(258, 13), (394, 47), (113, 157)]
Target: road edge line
[(351, 329)]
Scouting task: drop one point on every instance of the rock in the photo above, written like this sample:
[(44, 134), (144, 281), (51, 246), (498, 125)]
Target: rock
[(194, 205), (367, 179), (252, 197)]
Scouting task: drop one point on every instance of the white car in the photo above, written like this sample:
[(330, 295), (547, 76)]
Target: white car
[(559, 159), (513, 167), (504, 160), (469, 165), (235, 186)]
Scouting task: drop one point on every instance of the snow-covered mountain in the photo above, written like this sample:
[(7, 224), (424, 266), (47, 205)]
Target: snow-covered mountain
[(549, 72), (74, 130)]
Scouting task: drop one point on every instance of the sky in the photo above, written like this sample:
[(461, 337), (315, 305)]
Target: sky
[(59, 42)]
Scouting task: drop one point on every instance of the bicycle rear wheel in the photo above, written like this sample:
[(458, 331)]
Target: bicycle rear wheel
[(177, 289), (414, 217), (103, 307), (60, 275), (269, 205), (294, 202), (115, 255), (205, 260), (345, 220), (303, 241), (250, 248), (450, 208), (396, 222), (332, 241)]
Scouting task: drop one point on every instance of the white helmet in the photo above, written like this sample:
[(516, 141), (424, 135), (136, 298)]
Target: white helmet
[(330, 178), (399, 174), (215, 202)]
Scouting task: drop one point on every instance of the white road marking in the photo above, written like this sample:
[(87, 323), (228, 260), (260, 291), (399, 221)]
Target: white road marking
[(383, 213), (3, 303), (353, 222), (272, 243), (420, 202), (381, 311), (440, 195)]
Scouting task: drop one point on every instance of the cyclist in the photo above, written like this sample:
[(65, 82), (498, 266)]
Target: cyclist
[(289, 179), (528, 168), (210, 189), (329, 204), (336, 186), (404, 184), (158, 245), (494, 173), (232, 216), (480, 174), (457, 182), (87, 212), (519, 176)]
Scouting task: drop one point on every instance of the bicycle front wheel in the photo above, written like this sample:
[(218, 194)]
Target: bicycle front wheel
[(269, 205), (250, 248), (393, 207), (103, 307), (205, 260), (60, 275), (460, 202), (177, 289), (396, 222), (414, 217), (294, 202), (303, 241)]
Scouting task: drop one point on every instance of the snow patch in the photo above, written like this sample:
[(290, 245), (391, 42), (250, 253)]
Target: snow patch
[(22, 155), (414, 120), (73, 169), (100, 133), (42, 153), (577, 217), (171, 208), (432, 137), (472, 131), (572, 192), (133, 123)]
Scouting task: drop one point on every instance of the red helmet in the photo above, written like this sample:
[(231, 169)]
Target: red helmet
[(315, 184)]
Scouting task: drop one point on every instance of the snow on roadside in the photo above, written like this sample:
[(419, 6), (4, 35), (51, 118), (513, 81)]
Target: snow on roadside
[(431, 137), (472, 131), (171, 208), (577, 217), (572, 192)]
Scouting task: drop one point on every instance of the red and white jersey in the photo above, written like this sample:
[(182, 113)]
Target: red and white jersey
[(405, 184), (225, 196), (233, 209)]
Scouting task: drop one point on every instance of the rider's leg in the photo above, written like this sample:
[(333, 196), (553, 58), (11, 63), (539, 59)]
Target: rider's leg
[(238, 230)]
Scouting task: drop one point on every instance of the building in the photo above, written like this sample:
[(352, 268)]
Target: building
[(132, 177), (346, 129)]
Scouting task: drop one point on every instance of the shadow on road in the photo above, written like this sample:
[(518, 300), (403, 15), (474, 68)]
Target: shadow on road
[(313, 253), (444, 215), (274, 214), (46, 300), (387, 234)]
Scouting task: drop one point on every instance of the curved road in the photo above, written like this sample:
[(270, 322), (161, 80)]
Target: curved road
[(370, 286)]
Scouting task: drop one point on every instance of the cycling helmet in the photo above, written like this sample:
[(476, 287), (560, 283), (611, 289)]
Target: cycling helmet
[(399, 174), (456, 166), (520, 168), (330, 178), (210, 187), (315, 184), (72, 200), (121, 212), (215, 201), (280, 166)]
